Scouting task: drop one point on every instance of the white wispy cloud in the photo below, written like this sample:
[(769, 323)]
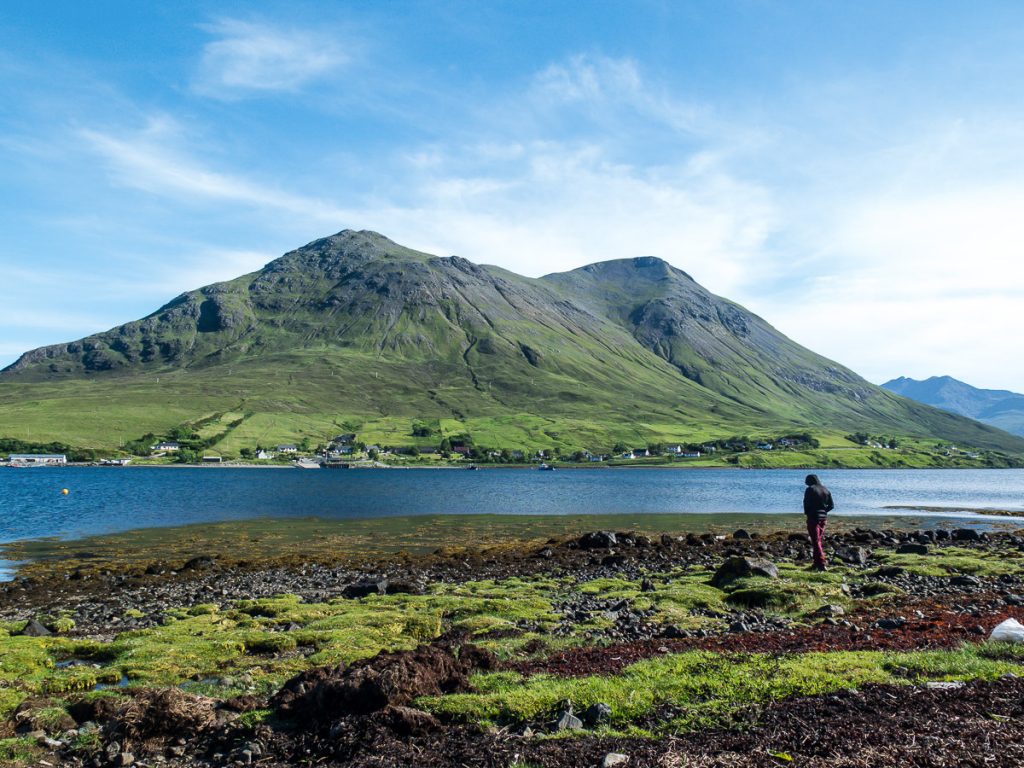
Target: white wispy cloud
[(151, 160), (248, 58)]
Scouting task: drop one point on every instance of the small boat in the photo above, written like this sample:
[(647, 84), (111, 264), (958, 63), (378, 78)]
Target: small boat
[(473, 467), (546, 468)]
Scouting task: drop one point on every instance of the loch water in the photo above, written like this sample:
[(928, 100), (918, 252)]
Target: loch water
[(112, 500)]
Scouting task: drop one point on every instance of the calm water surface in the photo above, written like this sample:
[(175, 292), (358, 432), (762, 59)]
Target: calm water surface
[(111, 500)]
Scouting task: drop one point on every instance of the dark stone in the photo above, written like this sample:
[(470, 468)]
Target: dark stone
[(596, 715), (739, 567), (912, 549), (597, 540), (201, 563), (853, 555), (966, 534), (741, 534), (800, 537), (403, 588), (567, 721), (647, 586), (942, 535), (546, 554), (365, 588), (672, 632), (35, 629), (965, 581), (890, 623), (613, 560)]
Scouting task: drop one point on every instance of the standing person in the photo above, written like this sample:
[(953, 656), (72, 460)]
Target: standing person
[(817, 505)]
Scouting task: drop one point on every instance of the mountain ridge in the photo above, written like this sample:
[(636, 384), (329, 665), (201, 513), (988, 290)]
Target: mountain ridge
[(1000, 408), (354, 328)]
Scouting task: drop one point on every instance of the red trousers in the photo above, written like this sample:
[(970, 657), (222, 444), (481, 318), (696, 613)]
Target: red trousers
[(816, 529)]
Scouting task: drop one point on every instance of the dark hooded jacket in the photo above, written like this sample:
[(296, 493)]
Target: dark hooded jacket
[(817, 499)]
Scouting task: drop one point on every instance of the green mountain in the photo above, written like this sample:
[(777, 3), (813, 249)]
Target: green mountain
[(998, 407), (356, 333)]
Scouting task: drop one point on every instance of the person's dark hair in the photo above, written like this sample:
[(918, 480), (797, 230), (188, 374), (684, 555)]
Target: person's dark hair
[(812, 480)]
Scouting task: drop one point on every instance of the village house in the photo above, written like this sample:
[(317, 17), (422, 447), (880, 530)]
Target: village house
[(166, 445), (212, 459), (37, 459), (674, 450), (289, 448), (261, 454), (691, 455), (765, 446)]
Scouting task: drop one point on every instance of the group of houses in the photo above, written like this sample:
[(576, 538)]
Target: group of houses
[(37, 459)]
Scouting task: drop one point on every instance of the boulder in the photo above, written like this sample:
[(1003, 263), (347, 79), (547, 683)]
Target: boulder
[(34, 629), (596, 714), (738, 567), (853, 555), (965, 534), (567, 721), (741, 534), (830, 611), (613, 759), (965, 581), (597, 540), (365, 587), (912, 549)]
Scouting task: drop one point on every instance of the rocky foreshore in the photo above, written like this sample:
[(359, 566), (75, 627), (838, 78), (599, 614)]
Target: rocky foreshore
[(896, 630)]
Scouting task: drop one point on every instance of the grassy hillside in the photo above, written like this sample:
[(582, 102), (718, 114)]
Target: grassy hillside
[(354, 333)]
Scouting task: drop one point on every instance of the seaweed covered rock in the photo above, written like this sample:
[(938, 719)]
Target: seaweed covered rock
[(738, 567), (371, 685), (152, 716)]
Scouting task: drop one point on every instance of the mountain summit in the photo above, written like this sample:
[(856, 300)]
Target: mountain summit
[(354, 330)]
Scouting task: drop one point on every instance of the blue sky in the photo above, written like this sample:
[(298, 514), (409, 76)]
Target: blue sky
[(853, 172)]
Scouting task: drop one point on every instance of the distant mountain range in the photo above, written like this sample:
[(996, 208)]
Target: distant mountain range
[(998, 407), (355, 333)]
